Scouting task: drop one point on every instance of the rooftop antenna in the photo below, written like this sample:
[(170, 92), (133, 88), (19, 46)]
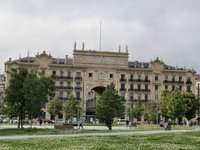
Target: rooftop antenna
[(100, 36)]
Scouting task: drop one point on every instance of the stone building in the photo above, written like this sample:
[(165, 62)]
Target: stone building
[(88, 73), (2, 84)]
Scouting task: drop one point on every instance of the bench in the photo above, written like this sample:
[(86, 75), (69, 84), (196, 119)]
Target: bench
[(64, 127)]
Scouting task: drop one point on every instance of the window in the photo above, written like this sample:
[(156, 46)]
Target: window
[(78, 74), (180, 78), (156, 78), (111, 76), (69, 74), (131, 76), (122, 96), (166, 77), (61, 73), (54, 73), (139, 76), (166, 87), (156, 87), (122, 87), (139, 87), (173, 79), (146, 97), (78, 95), (180, 88), (146, 87), (146, 77), (122, 76), (90, 75), (131, 87), (173, 88), (188, 89), (68, 84), (78, 84), (61, 84), (43, 73)]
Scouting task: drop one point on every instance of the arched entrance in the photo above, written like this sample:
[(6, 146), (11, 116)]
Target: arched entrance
[(91, 102)]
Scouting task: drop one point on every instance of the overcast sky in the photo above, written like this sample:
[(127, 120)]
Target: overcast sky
[(168, 29)]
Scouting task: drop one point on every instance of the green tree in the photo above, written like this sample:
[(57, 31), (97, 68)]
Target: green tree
[(191, 105), (163, 102), (26, 94), (34, 94), (71, 108), (109, 106), (138, 109), (151, 111), (2, 106), (14, 95), (54, 107), (175, 106)]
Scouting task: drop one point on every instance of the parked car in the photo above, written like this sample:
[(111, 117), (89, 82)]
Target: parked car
[(121, 121), (14, 120)]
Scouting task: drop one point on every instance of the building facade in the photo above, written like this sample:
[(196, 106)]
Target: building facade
[(2, 84), (88, 72)]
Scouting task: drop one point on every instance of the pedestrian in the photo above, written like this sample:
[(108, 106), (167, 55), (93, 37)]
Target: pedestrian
[(127, 122), (40, 121)]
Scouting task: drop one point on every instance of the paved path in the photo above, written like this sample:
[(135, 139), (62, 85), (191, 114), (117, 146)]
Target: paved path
[(92, 134)]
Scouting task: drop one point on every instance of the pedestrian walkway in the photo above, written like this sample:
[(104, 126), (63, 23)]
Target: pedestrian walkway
[(93, 134)]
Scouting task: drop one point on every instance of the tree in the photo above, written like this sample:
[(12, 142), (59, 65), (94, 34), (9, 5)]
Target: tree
[(34, 94), (175, 106), (138, 109), (71, 108), (109, 106), (54, 107), (26, 94), (2, 106), (162, 105), (191, 105), (14, 95), (151, 112)]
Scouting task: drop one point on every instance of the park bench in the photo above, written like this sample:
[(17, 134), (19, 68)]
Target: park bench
[(64, 127)]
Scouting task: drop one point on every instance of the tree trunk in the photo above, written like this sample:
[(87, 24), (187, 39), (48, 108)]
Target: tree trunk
[(109, 127)]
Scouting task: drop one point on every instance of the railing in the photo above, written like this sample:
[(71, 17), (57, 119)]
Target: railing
[(122, 80), (78, 78)]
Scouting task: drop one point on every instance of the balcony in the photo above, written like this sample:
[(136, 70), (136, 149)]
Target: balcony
[(131, 89), (188, 82), (69, 87), (139, 80), (122, 89), (60, 87), (122, 80), (78, 88), (64, 77), (78, 78)]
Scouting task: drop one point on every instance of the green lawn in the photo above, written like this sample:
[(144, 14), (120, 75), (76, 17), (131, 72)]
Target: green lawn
[(35, 131), (165, 141)]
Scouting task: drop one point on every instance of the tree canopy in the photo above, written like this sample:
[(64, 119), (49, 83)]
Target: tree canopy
[(71, 108), (26, 94), (109, 106), (175, 106)]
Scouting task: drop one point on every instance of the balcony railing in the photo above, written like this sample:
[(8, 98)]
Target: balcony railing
[(122, 80), (78, 88), (139, 80), (173, 82), (122, 89), (64, 77), (78, 78), (188, 82)]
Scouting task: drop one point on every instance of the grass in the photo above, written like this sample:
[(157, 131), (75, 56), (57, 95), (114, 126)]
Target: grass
[(165, 141), (37, 131)]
